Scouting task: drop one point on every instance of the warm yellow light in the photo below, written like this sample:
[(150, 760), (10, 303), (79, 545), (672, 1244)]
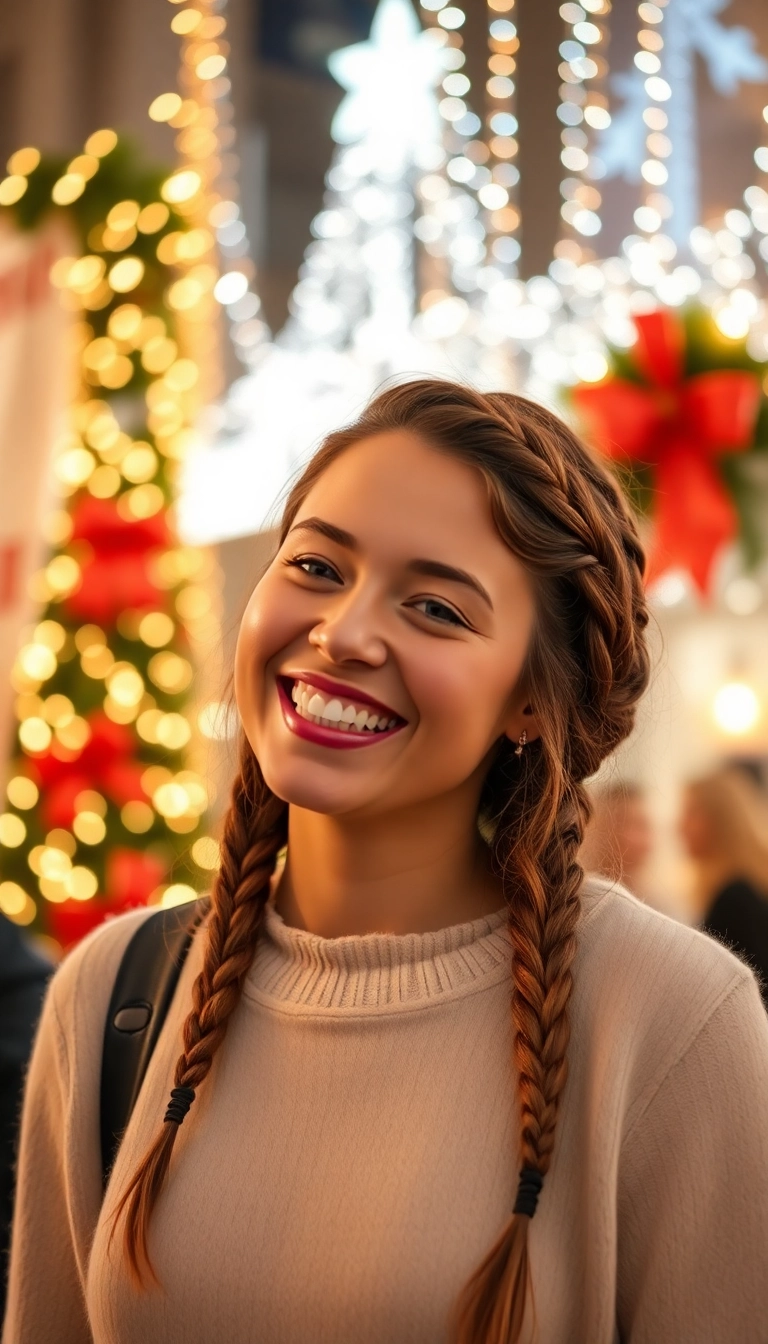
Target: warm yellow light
[(177, 894), (16, 904), (126, 274), (159, 354), (12, 830), (155, 629), (91, 801), (143, 502), (193, 602), (104, 482), (73, 734), (85, 273), (137, 817), (152, 328), (118, 373), (173, 731), (86, 165), (89, 828), (89, 635), (194, 244), (96, 661), (139, 465), (170, 672), (732, 322), (81, 883), (35, 735), (736, 708), (37, 661), (51, 634), (54, 863), (22, 792), (181, 186), (74, 467), (125, 684), (62, 574), (12, 189), (182, 375), (124, 322), (23, 162), (57, 528), (206, 853), (101, 143), (100, 353), (53, 889), (186, 21), (171, 800), (185, 294), (211, 66), (58, 838), (123, 215), (58, 710), (165, 106), (68, 188), (152, 217)]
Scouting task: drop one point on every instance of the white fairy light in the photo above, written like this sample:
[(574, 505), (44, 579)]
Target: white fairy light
[(581, 109)]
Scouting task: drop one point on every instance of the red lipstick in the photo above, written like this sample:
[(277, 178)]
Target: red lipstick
[(329, 737)]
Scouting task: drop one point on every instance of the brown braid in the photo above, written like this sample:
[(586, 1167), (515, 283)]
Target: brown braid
[(254, 832)]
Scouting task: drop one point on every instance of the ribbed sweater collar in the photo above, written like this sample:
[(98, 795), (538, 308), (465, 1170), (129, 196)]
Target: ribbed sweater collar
[(377, 970)]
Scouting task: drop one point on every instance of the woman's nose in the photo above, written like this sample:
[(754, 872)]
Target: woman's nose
[(351, 631)]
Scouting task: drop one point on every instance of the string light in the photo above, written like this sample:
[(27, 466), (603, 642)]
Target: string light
[(656, 207), (583, 109), (499, 194), (205, 188)]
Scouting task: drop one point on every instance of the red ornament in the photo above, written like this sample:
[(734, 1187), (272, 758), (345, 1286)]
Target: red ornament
[(678, 426), (106, 763)]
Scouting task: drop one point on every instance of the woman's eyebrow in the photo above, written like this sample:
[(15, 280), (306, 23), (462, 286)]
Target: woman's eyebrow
[(434, 569)]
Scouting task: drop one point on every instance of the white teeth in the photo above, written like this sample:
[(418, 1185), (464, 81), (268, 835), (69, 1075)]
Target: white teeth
[(334, 714)]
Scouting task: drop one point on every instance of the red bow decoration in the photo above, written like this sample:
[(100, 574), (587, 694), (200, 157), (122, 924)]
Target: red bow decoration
[(116, 576), (678, 426), (106, 763)]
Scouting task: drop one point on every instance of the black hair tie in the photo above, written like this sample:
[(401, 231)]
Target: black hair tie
[(528, 1191), (181, 1100)]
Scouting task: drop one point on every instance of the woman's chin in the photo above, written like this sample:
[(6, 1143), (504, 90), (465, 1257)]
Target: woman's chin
[(312, 789)]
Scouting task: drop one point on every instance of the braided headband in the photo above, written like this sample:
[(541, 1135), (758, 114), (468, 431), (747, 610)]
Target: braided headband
[(528, 1191)]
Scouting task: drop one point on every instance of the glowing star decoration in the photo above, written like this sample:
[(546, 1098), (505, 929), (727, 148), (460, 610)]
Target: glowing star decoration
[(389, 82)]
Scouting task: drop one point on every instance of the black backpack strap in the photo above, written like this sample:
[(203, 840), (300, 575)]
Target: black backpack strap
[(142, 994)]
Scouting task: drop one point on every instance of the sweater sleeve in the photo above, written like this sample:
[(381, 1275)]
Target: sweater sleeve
[(693, 1189), (58, 1194), (45, 1300)]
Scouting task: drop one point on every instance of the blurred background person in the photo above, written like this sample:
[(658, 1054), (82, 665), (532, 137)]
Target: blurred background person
[(724, 827), (23, 978)]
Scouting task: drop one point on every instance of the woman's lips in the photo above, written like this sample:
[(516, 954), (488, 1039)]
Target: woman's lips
[(318, 733)]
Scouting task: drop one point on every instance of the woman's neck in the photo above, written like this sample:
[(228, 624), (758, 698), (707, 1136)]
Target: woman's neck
[(416, 872)]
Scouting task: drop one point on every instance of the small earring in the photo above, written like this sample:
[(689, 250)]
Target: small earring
[(521, 741)]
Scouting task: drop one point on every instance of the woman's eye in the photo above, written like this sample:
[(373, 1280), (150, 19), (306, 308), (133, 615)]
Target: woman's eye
[(316, 569), (438, 611)]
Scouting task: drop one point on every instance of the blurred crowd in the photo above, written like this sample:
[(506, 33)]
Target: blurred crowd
[(722, 827)]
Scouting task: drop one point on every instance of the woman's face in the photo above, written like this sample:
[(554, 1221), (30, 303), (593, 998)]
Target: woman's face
[(379, 658)]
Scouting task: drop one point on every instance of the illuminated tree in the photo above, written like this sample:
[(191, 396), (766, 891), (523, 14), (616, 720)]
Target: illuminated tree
[(101, 803)]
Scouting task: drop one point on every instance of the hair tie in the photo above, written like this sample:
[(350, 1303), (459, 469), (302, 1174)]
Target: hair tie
[(181, 1100), (528, 1191)]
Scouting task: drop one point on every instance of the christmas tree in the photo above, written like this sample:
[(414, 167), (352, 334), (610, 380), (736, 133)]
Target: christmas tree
[(102, 811)]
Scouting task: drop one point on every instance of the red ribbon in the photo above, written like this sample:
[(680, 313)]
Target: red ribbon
[(116, 576), (678, 426)]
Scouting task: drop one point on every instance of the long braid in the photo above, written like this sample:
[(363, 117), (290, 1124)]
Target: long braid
[(254, 832)]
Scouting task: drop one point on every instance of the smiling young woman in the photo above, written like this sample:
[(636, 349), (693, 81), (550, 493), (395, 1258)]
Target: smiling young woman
[(464, 1094)]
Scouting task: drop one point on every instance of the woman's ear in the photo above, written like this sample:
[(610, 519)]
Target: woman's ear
[(522, 721)]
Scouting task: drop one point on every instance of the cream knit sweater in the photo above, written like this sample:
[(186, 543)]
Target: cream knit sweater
[(354, 1150)]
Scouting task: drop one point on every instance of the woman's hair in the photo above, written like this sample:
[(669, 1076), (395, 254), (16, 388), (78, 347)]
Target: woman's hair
[(735, 810), (561, 513)]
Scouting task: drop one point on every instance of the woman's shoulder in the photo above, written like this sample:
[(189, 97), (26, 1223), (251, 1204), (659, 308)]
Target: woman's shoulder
[(82, 985), (648, 980)]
